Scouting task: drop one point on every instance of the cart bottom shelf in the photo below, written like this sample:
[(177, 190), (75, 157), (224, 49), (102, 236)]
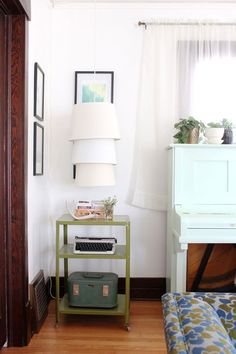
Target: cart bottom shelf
[(119, 310)]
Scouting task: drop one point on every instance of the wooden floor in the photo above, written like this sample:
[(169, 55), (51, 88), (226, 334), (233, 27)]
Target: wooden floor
[(100, 334)]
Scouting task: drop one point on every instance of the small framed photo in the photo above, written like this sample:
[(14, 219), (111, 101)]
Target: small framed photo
[(38, 149), (38, 92), (94, 86)]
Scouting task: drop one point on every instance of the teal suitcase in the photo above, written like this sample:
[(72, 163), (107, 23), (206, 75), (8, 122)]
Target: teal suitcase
[(92, 289)]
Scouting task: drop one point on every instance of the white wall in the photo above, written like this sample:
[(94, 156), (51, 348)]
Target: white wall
[(39, 226), (118, 48)]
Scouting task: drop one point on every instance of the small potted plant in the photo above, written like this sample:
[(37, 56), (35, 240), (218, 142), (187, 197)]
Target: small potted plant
[(109, 204), (228, 132), (214, 133), (188, 130)]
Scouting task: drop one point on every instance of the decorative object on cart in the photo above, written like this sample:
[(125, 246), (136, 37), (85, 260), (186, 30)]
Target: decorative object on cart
[(94, 86), (228, 132), (85, 210), (109, 204), (94, 245), (92, 289), (94, 130), (188, 130), (214, 132), (38, 153), (38, 92)]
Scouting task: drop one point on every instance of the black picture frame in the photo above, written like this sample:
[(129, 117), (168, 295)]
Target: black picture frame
[(38, 153), (38, 92), (103, 82)]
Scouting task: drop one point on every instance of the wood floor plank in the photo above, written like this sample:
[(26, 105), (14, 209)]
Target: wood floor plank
[(100, 334)]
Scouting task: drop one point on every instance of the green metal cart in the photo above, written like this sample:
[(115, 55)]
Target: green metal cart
[(65, 251)]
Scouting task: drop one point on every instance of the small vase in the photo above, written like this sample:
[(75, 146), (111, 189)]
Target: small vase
[(214, 135), (193, 136), (108, 212), (228, 136)]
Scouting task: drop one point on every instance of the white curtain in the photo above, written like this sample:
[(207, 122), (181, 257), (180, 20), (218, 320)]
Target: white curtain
[(170, 56)]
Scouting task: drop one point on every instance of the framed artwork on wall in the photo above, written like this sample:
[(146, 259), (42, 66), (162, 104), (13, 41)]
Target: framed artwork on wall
[(38, 149), (94, 86), (38, 92)]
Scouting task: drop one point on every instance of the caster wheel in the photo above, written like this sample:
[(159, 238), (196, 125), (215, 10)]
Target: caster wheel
[(127, 327)]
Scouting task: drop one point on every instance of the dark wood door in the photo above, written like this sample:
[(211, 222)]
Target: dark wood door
[(14, 302), (3, 187)]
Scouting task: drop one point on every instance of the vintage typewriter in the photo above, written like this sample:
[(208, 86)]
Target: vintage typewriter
[(94, 245)]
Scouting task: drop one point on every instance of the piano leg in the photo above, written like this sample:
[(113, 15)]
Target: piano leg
[(178, 265), (181, 271)]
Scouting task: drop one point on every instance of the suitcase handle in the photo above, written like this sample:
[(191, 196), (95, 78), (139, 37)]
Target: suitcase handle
[(93, 275)]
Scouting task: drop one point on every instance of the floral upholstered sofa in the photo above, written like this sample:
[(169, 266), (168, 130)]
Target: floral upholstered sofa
[(200, 323)]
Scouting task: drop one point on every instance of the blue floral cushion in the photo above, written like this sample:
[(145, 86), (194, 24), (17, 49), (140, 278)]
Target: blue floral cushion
[(224, 305), (192, 325)]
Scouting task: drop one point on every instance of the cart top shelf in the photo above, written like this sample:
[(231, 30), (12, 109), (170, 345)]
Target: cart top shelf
[(67, 219)]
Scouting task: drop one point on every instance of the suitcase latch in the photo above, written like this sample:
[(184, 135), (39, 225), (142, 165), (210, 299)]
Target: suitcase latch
[(75, 289), (105, 290)]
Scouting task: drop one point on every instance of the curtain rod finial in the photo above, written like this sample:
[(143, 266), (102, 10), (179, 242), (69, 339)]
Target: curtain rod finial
[(140, 23)]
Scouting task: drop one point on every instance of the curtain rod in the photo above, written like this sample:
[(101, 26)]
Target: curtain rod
[(145, 24)]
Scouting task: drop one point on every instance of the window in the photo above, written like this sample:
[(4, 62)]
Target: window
[(207, 80), (214, 89)]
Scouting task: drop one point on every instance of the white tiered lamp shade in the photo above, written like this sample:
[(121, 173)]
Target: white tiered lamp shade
[(94, 130), (94, 121), (93, 175), (94, 151)]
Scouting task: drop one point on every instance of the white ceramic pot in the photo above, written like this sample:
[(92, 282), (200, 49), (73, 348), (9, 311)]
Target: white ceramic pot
[(214, 135)]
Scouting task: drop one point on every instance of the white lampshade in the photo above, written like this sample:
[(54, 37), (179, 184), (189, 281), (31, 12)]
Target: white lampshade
[(94, 121), (94, 175), (94, 151)]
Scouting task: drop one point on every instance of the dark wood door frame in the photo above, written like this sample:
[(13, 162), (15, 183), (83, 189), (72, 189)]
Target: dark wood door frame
[(3, 187), (13, 185), (18, 305), (16, 7)]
